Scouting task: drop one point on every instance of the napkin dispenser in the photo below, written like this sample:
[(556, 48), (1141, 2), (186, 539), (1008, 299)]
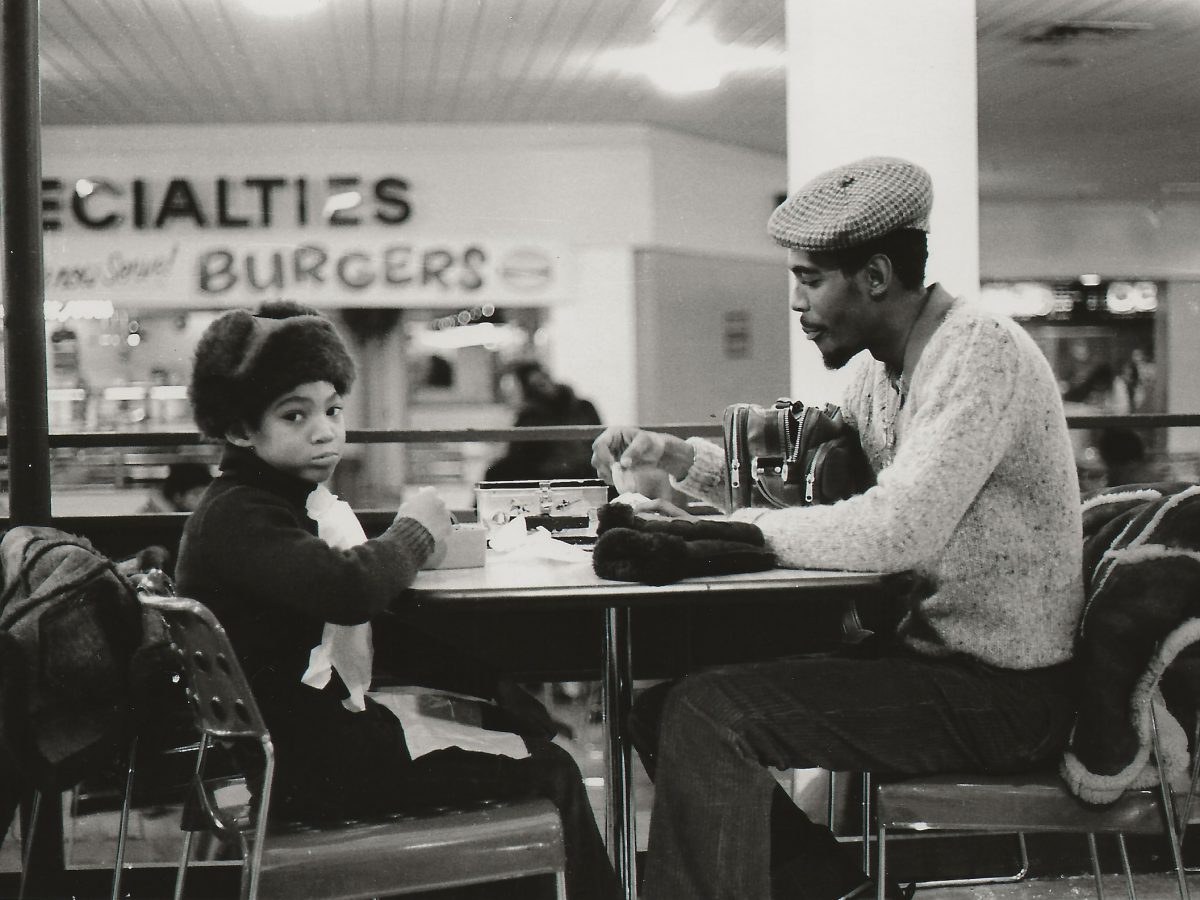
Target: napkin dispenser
[(565, 507)]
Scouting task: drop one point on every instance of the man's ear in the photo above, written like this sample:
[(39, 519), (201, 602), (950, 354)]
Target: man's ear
[(878, 275), (239, 436)]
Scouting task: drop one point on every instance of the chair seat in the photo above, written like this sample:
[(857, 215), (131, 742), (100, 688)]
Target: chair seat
[(1033, 802), (427, 851)]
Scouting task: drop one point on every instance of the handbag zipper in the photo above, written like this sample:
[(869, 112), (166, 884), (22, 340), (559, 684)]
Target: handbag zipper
[(810, 480), (735, 464), (795, 448), (787, 437)]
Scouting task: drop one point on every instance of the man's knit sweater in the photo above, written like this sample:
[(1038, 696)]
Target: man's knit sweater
[(980, 497)]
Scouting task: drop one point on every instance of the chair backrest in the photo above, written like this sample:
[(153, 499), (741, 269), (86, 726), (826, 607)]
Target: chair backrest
[(217, 688), (224, 709)]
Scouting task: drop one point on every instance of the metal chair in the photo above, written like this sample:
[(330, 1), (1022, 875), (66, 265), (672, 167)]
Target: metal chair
[(397, 855), (867, 836), (1031, 804), (854, 631)]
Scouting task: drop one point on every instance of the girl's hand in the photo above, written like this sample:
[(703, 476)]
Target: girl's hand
[(426, 507)]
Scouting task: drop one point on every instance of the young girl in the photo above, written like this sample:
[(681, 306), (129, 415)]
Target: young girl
[(271, 386)]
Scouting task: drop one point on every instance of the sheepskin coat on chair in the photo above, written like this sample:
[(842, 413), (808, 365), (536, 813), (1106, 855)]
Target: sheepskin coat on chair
[(1134, 645)]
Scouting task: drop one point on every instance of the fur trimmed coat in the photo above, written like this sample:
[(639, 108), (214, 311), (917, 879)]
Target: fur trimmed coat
[(1135, 639)]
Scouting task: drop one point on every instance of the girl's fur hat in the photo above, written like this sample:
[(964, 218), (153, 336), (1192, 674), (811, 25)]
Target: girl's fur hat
[(244, 362)]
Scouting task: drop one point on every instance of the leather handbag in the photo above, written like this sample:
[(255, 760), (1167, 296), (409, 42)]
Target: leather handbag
[(790, 454)]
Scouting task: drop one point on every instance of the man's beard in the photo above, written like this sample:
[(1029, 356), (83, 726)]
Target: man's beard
[(837, 358)]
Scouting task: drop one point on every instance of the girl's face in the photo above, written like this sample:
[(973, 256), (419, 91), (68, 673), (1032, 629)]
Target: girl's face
[(301, 433)]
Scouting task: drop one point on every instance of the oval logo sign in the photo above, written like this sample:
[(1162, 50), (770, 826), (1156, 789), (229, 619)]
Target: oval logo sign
[(527, 269)]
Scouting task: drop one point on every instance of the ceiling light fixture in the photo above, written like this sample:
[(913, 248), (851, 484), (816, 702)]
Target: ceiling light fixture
[(282, 8), (690, 59)]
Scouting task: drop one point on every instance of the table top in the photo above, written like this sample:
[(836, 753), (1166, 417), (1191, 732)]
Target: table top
[(549, 579)]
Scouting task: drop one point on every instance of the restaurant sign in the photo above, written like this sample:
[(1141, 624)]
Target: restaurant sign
[(178, 245)]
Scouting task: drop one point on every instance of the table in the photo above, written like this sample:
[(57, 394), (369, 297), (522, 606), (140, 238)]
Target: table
[(548, 584)]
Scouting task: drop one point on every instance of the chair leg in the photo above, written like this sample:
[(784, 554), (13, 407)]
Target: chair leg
[(123, 826), (186, 854), (1129, 886), (1185, 814), (560, 885), (30, 830), (1091, 838), (252, 855), (181, 876), (1168, 809), (866, 824), (881, 867)]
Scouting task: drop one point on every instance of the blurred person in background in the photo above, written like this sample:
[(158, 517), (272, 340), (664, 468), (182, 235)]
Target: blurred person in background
[(181, 490), (539, 401)]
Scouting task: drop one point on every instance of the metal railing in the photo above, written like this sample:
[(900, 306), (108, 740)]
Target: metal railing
[(114, 439)]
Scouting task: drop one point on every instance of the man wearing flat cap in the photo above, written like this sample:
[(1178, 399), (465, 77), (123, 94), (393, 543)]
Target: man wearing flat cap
[(976, 495)]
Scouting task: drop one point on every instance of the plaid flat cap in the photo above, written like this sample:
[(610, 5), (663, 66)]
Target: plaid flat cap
[(854, 203)]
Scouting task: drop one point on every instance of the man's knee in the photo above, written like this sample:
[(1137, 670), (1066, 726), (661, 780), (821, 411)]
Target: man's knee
[(700, 701)]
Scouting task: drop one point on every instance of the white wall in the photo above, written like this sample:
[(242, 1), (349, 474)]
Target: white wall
[(1064, 239), (713, 198)]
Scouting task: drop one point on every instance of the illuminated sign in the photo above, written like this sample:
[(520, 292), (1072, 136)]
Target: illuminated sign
[(101, 204)]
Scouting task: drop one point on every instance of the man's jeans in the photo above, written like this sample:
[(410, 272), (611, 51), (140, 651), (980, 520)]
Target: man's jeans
[(723, 829)]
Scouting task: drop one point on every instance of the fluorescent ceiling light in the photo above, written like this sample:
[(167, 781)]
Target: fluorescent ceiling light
[(690, 59), (282, 8)]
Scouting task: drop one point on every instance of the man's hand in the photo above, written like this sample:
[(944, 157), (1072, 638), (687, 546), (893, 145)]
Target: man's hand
[(630, 447), (664, 508)]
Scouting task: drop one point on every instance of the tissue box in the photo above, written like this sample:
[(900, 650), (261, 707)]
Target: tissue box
[(465, 548), (563, 506)]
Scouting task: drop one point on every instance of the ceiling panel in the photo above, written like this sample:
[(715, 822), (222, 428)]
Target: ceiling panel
[(1085, 111)]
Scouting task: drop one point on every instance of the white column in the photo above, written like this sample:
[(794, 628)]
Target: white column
[(887, 78)]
